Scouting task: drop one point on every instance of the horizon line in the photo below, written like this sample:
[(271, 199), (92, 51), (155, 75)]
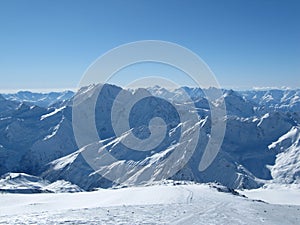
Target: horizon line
[(74, 89)]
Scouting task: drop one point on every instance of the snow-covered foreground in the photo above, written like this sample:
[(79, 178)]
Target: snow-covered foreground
[(159, 204), (276, 194)]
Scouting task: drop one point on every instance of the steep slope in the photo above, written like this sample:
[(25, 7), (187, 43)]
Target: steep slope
[(242, 162), (23, 130), (286, 169), (18, 131), (55, 144), (6, 105)]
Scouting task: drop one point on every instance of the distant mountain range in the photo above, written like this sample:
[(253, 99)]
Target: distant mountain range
[(261, 144), (39, 99)]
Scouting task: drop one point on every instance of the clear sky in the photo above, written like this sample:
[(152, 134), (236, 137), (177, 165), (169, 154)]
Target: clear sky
[(48, 44)]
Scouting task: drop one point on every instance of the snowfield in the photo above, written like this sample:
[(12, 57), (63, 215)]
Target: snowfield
[(276, 194), (157, 204)]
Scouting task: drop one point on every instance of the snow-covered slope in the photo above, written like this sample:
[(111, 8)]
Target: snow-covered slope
[(26, 184), (287, 165), (281, 100), (242, 162), (158, 204)]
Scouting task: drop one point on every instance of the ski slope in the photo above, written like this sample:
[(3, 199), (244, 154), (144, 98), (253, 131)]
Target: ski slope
[(158, 204)]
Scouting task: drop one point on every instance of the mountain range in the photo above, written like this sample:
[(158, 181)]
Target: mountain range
[(260, 147)]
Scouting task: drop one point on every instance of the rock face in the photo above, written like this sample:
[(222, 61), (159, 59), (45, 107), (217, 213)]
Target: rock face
[(261, 142)]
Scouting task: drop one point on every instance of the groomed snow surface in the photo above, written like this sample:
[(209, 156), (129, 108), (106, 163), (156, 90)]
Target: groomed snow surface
[(158, 204)]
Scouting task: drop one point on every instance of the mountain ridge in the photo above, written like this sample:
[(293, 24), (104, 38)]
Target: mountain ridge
[(36, 146)]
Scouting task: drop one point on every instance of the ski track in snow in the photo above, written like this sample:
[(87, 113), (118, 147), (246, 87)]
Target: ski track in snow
[(182, 204)]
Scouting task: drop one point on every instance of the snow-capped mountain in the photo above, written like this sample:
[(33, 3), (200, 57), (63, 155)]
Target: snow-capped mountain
[(6, 105), (280, 100), (261, 142), (26, 184), (287, 164), (39, 99), (264, 100)]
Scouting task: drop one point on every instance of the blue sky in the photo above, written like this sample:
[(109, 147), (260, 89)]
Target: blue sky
[(49, 44)]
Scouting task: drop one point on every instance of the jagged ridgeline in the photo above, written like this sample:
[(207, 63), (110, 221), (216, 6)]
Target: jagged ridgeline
[(261, 141)]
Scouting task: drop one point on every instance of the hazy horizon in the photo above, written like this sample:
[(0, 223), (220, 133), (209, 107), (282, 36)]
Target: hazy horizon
[(45, 91)]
